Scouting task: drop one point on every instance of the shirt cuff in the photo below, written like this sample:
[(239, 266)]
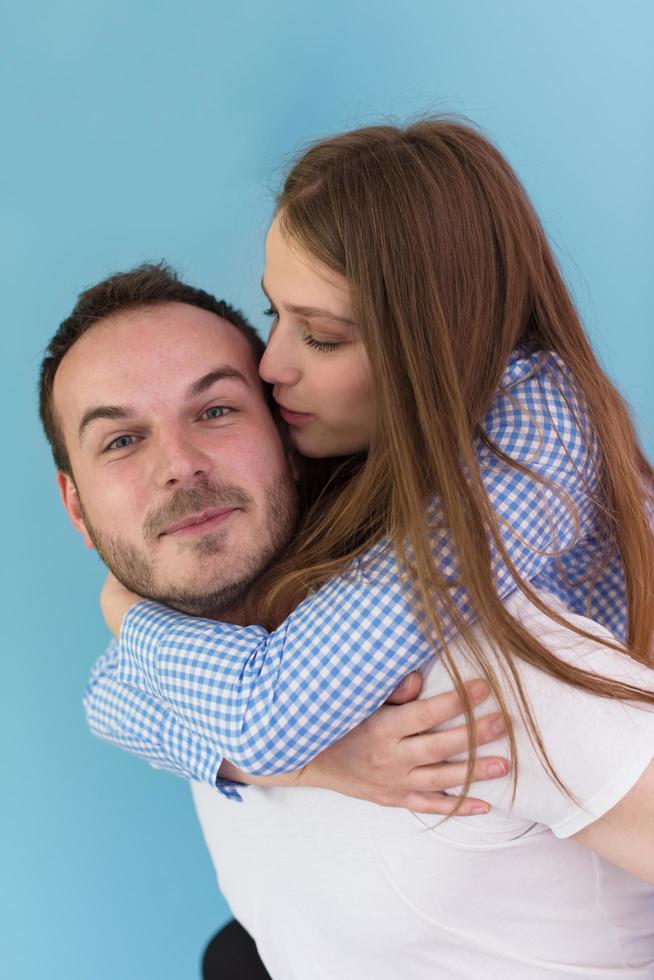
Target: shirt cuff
[(229, 789), (194, 758)]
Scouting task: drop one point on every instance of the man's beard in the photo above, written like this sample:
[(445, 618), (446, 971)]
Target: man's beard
[(219, 599)]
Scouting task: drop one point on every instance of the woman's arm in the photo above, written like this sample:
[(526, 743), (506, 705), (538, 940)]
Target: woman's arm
[(386, 760), (390, 760)]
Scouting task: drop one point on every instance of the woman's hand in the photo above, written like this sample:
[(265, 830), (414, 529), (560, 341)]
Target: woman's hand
[(115, 601), (394, 759)]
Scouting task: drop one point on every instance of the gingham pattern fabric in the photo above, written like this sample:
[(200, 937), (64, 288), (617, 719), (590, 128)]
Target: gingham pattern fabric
[(183, 692)]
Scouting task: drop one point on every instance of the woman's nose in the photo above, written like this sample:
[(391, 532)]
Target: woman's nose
[(279, 364)]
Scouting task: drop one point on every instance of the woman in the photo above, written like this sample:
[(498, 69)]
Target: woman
[(423, 332), (469, 374)]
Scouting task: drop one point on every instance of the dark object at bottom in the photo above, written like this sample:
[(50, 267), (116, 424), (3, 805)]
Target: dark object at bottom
[(232, 955)]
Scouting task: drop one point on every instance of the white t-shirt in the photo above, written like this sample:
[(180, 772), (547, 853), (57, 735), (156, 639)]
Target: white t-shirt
[(334, 887)]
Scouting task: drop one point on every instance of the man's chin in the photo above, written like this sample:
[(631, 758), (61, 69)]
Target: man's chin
[(222, 603)]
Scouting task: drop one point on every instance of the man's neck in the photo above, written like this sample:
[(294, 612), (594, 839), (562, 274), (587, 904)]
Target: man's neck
[(234, 616)]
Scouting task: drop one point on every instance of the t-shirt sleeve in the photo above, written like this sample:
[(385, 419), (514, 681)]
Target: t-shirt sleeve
[(599, 747)]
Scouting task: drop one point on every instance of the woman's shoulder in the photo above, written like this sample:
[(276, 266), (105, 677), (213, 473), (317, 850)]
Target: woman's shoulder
[(529, 361), (540, 386), (540, 419)]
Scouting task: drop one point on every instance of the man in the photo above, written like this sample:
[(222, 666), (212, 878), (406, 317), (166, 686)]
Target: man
[(170, 464)]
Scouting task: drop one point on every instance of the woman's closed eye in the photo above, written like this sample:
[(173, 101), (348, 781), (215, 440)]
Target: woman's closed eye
[(307, 338), (321, 345)]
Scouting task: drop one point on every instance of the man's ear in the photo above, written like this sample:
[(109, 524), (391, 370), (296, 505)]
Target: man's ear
[(70, 500)]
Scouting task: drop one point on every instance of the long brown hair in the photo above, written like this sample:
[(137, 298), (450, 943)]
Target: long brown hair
[(449, 270)]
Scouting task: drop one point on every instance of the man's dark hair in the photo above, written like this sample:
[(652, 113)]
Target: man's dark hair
[(149, 284)]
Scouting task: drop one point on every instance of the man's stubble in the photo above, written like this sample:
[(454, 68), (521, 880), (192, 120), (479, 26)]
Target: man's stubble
[(219, 599)]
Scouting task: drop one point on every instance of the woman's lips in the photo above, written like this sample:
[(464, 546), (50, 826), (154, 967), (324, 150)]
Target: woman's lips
[(200, 523), (294, 418)]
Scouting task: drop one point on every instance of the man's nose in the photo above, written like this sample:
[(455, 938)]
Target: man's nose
[(279, 364), (181, 462)]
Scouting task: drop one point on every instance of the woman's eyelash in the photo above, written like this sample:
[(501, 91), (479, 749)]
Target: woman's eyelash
[(319, 344)]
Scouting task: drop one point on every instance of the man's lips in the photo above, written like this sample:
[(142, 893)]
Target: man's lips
[(205, 520), (294, 418)]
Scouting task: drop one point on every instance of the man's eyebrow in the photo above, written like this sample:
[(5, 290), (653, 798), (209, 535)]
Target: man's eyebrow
[(196, 388), (211, 377), (314, 312), (103, 412)]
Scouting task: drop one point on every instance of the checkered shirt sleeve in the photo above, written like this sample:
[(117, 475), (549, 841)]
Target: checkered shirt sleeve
[(190, 690), (143, 726)]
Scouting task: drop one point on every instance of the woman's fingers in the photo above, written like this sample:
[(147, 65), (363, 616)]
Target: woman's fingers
[(406, 690), (439, 804), (449, 775), (435, 747), (427, 713)]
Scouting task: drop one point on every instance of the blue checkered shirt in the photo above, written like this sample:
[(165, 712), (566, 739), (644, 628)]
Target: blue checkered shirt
[(184, 692)]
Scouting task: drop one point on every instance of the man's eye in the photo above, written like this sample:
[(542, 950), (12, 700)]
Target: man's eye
[(217, 411), (122, 442)]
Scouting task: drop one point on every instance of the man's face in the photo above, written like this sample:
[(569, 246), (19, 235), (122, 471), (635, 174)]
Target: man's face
[(181, 480)]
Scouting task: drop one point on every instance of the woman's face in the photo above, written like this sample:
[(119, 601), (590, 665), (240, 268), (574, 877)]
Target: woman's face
[(315, 358)]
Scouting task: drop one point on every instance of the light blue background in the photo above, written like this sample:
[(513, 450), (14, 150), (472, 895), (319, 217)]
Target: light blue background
[(148, 130)]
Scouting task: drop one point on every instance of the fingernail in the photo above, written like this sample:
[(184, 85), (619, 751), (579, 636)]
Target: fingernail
[(498, 727), (479, 808), (496, 769)]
